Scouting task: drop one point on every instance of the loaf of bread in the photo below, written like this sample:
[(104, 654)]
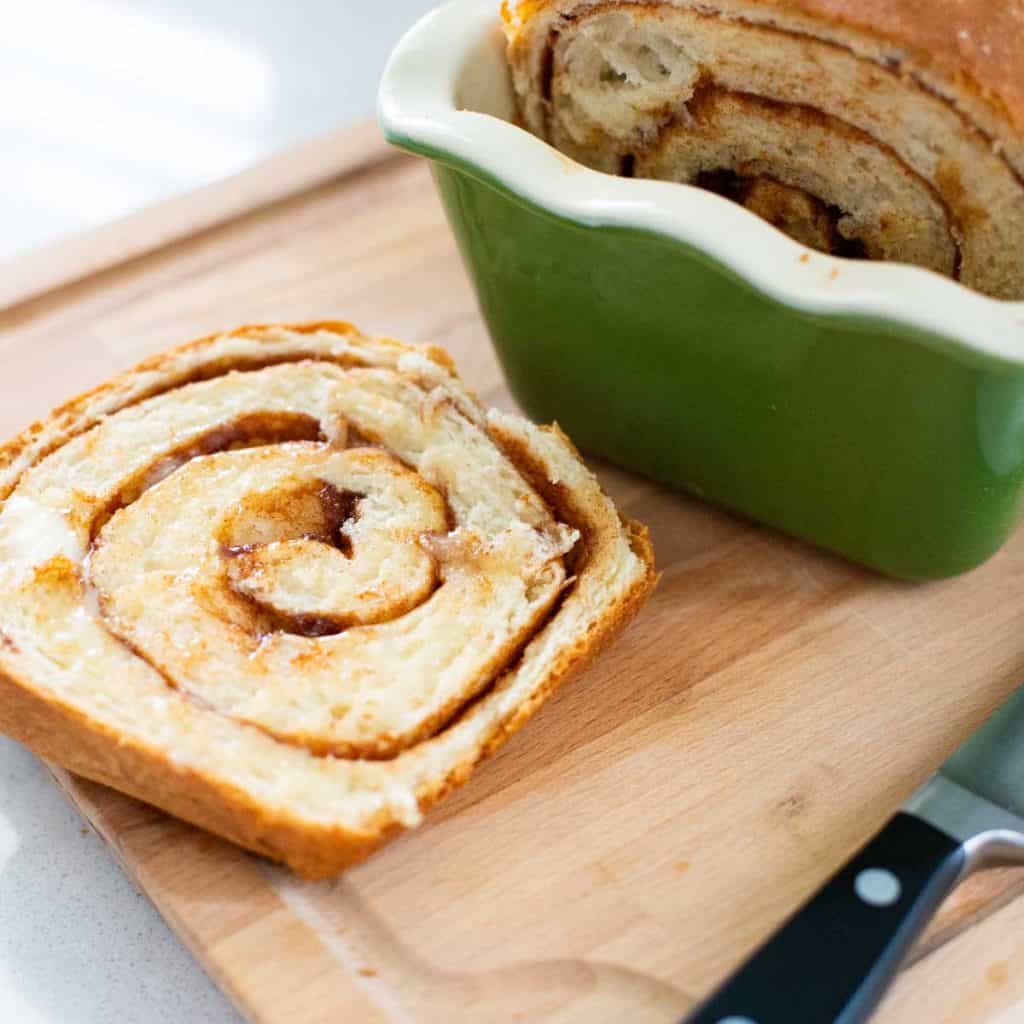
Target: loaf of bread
[(292, 583), (885, 129)]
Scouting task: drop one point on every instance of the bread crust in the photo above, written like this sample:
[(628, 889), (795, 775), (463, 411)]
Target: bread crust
[(59, 728), (976, 43)]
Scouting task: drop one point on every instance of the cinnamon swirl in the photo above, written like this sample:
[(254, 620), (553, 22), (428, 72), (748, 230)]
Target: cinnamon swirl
[(292, 583), (886, 129)]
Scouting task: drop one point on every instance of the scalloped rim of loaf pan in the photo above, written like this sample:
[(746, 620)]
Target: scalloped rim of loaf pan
[(457, 51)]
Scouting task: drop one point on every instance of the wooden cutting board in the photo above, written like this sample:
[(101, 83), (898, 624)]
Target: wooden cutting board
[(768, 710)]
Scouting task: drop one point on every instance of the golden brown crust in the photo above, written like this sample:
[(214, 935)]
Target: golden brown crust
[(317, 846), (976, 43), (83, 746)]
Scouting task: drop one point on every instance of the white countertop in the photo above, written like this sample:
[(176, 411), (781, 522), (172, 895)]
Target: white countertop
[(105, 107)]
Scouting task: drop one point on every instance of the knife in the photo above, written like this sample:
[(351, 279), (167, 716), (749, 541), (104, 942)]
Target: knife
[(832, 962)]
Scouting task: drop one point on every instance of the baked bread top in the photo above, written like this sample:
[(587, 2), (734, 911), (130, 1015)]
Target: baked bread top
[(975, 44), (292, 583)]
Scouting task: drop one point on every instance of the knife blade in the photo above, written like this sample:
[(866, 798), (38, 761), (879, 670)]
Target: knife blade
[(832, 962)]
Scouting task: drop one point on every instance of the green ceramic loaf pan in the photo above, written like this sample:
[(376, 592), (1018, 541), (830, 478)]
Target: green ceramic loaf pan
[(873, 409)]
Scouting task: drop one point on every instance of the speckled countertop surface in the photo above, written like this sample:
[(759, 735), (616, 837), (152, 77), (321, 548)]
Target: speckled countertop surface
[(98, 120), (78, 942)]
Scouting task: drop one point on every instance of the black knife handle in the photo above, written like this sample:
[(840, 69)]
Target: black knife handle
[(832, 962)]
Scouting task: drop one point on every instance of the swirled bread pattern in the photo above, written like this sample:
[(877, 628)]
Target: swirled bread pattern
[(881, 129), (292, 583)]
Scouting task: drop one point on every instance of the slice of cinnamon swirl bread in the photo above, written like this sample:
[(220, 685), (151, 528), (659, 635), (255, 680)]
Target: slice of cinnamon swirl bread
[(292, 583)]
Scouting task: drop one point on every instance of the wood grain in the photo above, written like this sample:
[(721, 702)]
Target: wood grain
[(769, 709)]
